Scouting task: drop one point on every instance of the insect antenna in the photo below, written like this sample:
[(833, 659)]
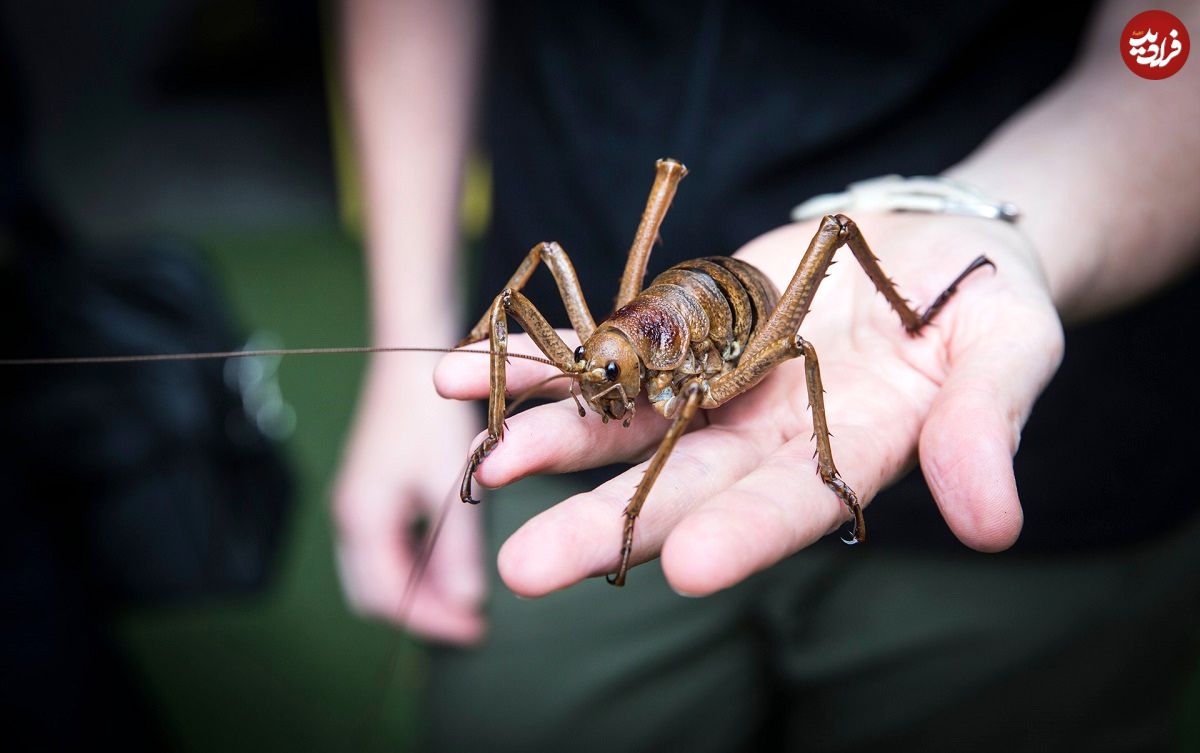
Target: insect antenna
[(532, 391), (367, 726), (210, 355)]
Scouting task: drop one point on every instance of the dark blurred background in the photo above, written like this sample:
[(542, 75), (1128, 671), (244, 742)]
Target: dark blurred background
[(205, 127), (175, 116), (193, 139)]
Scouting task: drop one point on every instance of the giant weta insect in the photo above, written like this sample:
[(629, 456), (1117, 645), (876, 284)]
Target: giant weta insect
[(702, 333)]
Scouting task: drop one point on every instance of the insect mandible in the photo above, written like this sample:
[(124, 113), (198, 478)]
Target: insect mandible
[(703, 332)]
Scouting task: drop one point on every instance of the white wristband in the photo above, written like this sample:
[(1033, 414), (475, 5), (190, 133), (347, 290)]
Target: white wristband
[(893, 193)]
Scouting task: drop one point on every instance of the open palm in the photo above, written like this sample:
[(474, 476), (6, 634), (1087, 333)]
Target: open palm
[(740, 492)]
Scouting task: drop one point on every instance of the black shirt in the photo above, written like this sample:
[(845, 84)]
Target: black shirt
[(770, 103)]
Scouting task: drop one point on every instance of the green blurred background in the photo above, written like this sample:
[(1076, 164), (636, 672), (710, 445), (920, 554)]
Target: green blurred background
[(208, 120), (291, 670)]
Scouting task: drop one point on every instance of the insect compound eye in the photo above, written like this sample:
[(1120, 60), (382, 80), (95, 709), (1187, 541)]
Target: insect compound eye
[(612, 371), (579, 354)]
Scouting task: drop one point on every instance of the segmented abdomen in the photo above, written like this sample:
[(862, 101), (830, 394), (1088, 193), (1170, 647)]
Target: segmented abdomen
[(717, 299), (736, 296)]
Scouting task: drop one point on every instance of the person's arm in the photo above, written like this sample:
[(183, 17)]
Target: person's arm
[(411, 68), (1105, 168)]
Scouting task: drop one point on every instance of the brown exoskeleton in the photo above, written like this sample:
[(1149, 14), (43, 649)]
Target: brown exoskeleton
[(701, 333)]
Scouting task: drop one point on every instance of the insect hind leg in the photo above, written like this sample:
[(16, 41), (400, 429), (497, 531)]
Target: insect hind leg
[(913, 322), (951, 289), (825, 466), (750, 372)]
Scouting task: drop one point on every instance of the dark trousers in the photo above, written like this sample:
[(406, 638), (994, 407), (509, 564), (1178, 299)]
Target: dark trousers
[(837, 648)]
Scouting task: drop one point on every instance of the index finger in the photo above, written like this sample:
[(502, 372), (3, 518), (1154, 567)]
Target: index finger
[(581, 537)]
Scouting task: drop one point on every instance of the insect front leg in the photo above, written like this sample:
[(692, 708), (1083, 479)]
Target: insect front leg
[(692, 394), (515, 304), (560, 266)]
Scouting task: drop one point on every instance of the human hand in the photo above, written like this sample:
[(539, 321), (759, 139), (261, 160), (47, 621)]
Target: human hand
[(402, 463), (740, 492)]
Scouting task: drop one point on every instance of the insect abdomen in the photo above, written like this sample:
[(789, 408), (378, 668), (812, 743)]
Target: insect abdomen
[(717, 299), (724, 284)]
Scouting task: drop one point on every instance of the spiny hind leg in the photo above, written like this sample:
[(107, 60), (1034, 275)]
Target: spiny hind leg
[(836, 231), (913, 322), (951, 289), (751, 371), (824, 452)]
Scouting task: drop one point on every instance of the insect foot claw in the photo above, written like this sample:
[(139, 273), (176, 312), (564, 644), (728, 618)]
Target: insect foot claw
[(465, 493), (482, 451), (858, 526)]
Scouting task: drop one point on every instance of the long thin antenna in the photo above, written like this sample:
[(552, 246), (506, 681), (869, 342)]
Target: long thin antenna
[(249, 354), (364, 734), (367, 727)]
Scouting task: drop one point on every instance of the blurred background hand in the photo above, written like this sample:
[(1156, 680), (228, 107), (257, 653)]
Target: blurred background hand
[(401, 467)]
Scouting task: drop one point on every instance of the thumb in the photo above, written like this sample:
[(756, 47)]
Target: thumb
[(456, 562), (974, 425), (446, 585)]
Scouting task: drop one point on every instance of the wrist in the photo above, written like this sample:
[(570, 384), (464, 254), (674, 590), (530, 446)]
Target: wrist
[(950, 206), (415, 296), (1068, 251)]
